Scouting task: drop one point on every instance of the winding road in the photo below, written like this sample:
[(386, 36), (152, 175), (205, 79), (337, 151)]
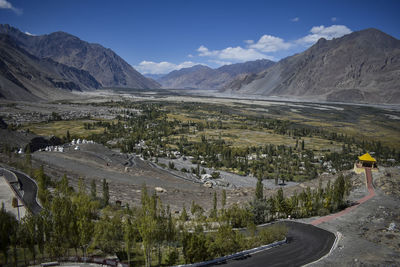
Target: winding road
[(305, 244), (27, 185)]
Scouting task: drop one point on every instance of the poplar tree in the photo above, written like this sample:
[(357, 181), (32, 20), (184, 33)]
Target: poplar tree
[(223, 199), (148, 225), (259, 189), (184, 216), (106, 193), (93, 191), (129, 237), (214, 210)]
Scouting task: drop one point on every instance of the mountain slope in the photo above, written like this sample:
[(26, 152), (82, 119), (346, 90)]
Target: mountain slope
[(102, 63), (203, 77), (362, 66), (26, 77)]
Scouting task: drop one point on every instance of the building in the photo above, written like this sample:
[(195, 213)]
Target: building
[(365, 161)]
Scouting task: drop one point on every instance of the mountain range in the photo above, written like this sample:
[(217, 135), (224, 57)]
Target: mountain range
[(361, 67), (105, 66), (204, 77)]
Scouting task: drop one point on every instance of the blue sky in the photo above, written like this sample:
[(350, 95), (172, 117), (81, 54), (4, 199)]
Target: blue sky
[(160, 36)]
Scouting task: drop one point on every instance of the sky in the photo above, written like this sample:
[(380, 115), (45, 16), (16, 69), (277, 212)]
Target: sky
[(156, 37)]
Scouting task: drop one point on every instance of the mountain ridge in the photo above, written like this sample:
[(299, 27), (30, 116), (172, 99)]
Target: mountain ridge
[(204, 77), (102, 63), (362, 67), (24, 76)]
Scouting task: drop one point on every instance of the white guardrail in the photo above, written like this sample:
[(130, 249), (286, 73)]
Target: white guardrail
[(236, 255)]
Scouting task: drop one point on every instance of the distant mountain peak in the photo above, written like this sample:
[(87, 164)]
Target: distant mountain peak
[(363, 66), (204, 77)]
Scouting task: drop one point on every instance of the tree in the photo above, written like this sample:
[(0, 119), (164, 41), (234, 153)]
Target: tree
[(28, 158), (339, 191), (68, 137), (260, 210), (171, 228), (196, 210), (195, 246), (106, 193), (43, 193), (129, 236), (214, 210), (148, 225), (8, 228), (280, 202), (62, 216), (215, 175), (238, 217), (259, 195), (184, 216), (29, 234), (227, 241), (93, 192), (223, 199), (63, 187), (107, 232), (85, 208)]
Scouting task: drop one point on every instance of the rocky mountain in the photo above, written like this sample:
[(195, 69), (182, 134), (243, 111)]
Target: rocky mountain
[(103, 64), (154, 76), (203, 77), (26, 77), (362, 67)]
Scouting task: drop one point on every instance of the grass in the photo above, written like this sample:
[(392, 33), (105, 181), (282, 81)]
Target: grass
[(359, 122), (249, 137), (60, 128)]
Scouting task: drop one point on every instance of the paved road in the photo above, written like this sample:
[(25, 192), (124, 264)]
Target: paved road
[(29, 188), (306, 243)]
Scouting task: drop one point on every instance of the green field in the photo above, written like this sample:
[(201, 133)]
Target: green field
[(60, 128)]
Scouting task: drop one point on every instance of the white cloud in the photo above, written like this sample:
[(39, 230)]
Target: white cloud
[(296, 19), (269, 43), (333, 19), (31, 34), (269, 46), (235, 54), (190, 56), (317, 32), (4, 4), (150, 67), (220, 62)]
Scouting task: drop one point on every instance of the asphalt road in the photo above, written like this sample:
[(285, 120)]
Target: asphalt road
[(306, 243), (30, 192)]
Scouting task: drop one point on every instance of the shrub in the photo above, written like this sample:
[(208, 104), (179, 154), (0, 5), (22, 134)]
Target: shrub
[(215, 175)]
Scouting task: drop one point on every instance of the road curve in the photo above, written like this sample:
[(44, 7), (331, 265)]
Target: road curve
[(30, 189), (306, 243)]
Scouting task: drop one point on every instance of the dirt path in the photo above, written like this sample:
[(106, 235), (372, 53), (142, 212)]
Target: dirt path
[(368, 175)]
